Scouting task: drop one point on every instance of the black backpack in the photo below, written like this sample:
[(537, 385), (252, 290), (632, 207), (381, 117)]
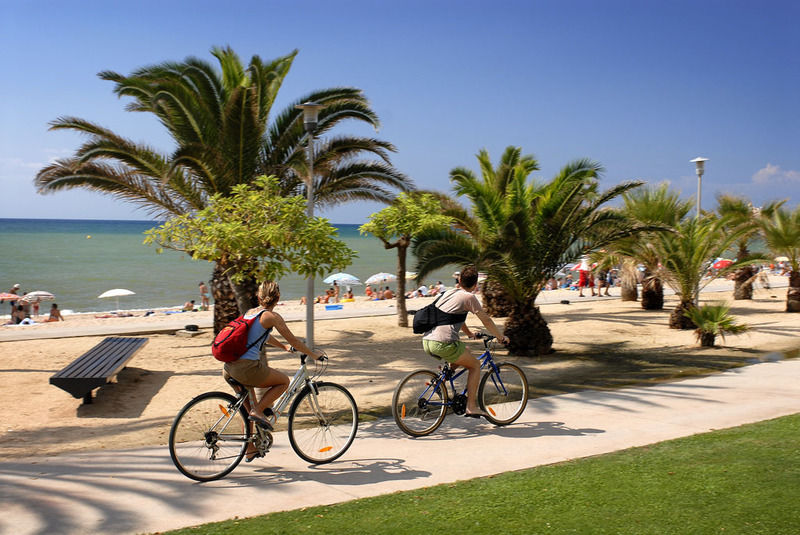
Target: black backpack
[(429, 317)]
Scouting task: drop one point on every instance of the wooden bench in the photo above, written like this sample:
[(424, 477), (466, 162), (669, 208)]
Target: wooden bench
[(97, 366)]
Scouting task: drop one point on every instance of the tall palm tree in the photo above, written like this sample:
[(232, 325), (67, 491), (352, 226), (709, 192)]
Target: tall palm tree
[(225, 134), (522, 233), (512, 164), (741, 212), (686, 255), (781, 231), (658, 207)]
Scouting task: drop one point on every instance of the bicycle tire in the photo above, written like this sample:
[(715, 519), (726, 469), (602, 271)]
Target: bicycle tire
[(322, 437), (503, 401), (206, 440), (410, 408)]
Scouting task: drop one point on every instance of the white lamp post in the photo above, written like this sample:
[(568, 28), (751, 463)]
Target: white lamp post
[(310, 116), (700, 164)]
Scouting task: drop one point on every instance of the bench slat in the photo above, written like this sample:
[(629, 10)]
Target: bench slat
[(99, 361)]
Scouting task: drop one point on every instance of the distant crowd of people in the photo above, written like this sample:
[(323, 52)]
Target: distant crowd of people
[(25, 311)]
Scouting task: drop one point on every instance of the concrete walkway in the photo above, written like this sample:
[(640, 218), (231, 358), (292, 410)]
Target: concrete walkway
[(139, 490)]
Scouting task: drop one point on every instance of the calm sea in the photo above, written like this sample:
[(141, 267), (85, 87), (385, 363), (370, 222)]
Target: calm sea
[(77, 260)]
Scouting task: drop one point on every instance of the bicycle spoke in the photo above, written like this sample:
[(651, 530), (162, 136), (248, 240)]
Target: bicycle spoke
[(208, 437), (323, 423), (503, 394), (419, 404)]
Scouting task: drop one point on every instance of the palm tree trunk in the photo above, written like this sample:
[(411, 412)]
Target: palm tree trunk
[(629, 290), (793, 294), (230, 302), (225, 307), (527, 330), (652, 293), (743, 282), (402, 314), (496, 301), (707, 339), (677, 320)]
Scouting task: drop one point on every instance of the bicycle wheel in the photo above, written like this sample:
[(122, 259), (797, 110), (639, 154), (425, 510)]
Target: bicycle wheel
[(417, 406), (503, 395), (208, 439), (323, 421)]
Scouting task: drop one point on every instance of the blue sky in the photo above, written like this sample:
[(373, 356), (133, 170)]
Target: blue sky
[(642, 87)]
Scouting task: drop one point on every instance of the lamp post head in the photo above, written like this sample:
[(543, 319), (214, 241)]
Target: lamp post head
[(310, 114), (700, 163)]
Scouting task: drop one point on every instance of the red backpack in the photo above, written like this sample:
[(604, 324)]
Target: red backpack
[(231, 342)]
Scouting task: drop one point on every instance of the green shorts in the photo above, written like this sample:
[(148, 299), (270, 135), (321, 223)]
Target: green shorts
[(449, 351)]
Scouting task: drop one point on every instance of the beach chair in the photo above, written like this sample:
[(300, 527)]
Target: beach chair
[(97, 366)]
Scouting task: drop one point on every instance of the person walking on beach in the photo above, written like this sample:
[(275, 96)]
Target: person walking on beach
[(585, 277), (443, 342), (14, 290), (204, 296), (252, 369)]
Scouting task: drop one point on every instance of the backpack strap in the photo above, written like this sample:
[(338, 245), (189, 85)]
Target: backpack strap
[(261, 338)]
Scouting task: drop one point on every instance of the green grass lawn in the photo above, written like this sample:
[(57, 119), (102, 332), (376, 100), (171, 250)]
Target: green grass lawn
[(741, 480)]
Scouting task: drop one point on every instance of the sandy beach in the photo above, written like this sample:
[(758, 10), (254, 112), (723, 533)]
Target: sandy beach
[(601, 343)]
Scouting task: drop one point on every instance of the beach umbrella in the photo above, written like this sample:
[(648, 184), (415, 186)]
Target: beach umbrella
[(342, 278), (722, 263), (411, 275), (781, 258), (37, 296), (9, 297), (116, 292), (380, 277)]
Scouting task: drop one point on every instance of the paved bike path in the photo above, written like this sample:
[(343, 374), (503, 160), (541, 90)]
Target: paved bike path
[(139, 490)]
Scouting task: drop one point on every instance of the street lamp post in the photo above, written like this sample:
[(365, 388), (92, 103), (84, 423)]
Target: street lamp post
[(310, 116), (700, 164)]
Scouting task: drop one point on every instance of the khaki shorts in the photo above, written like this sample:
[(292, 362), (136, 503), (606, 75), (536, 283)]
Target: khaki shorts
[(248, 372), (448, 351)]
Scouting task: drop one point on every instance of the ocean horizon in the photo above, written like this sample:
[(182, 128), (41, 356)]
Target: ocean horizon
[(79, 259)]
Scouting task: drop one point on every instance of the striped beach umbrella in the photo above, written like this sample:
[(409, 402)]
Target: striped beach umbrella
[(37, 296)]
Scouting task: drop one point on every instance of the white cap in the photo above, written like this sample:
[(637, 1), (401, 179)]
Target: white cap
[(16, 286)]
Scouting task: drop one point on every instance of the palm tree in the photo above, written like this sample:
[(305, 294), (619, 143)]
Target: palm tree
[(225, 134), (686, 255), (713, 320), (657, 207), (496, 300), (522, 233), (739, 211), (781, 231)]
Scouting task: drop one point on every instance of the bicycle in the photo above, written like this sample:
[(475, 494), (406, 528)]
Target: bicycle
[(421, 400), (210, 434)]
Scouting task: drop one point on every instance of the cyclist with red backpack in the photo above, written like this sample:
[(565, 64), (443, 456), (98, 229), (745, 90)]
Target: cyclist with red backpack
[(252, 368)]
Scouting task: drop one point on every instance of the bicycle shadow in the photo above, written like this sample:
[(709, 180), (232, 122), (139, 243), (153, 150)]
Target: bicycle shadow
[(343, 472), (455, 428)]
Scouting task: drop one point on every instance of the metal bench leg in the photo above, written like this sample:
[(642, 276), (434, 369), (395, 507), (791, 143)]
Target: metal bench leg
[(87, 398)]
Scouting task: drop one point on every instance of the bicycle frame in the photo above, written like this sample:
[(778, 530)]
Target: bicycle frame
[(487, 362), (301, 378)]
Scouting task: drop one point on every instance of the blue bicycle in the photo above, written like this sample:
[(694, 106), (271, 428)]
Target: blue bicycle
[(420, 401)]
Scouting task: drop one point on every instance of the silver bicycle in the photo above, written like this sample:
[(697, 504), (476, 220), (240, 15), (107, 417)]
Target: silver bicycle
[(210, 434)]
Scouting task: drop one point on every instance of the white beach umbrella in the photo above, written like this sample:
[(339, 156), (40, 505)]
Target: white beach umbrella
[(116, 292), (381, 277), (342, 278), (37, 296), (411, 275)]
